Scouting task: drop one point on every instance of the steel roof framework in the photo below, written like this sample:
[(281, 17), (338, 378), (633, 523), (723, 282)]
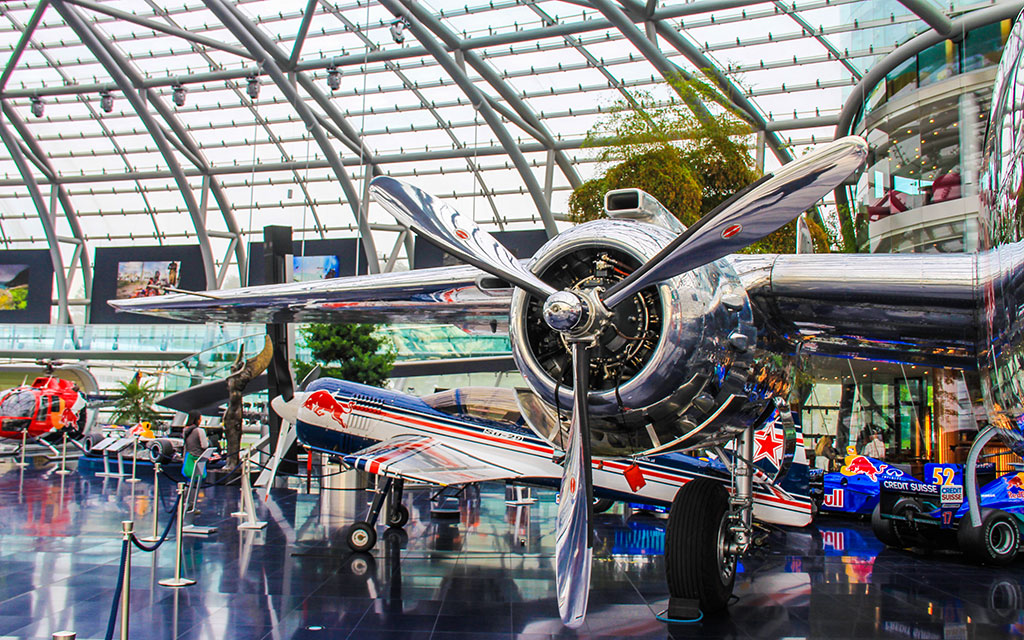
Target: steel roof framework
[(490, 99)]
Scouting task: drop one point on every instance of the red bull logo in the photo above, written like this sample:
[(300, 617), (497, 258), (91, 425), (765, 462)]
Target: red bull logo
[(835, 499), (323, 403), (1015, 487), (861, 465)]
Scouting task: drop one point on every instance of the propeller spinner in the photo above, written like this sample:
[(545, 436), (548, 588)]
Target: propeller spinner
[(580, 315)]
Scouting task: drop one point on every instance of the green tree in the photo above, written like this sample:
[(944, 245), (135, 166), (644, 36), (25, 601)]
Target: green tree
[(690, 159), (363, 355), (134, 403)]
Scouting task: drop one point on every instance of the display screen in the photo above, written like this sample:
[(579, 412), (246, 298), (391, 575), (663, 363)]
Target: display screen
[(141, 279), (308, 268), (13, 287)]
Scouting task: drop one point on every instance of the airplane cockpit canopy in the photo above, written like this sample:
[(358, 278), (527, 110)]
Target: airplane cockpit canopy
[(488, 403)]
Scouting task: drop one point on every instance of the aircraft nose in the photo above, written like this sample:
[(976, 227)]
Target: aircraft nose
[(288, 409)]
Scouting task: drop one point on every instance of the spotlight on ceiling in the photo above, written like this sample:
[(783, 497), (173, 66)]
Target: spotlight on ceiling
[(398, 30), (252, 87), (37, 107), (333, 78), (179, 95), (106, 101)]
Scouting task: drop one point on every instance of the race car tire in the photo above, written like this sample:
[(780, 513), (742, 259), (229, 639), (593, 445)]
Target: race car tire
[(884, 528), (160, 451), (398, 517), (88, 443), (995, 542), (361, 536), (602, 504), (697, 562)]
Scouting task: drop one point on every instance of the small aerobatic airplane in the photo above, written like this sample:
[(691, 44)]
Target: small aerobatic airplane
[(479, 434), (656, 341)]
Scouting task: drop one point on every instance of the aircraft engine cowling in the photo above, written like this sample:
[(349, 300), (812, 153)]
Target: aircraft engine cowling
[(674, 368)]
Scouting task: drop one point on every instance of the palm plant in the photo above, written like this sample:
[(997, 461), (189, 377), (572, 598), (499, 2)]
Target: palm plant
[(134, 403)]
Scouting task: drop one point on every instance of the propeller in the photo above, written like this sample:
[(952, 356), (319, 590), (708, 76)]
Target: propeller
[(453, 232), (581, 315)]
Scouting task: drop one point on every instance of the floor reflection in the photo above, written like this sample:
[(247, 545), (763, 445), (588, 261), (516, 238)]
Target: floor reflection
[(486, 571)]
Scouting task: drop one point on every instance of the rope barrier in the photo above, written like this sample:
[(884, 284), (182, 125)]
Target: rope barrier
[(117, 592), (167, 529)]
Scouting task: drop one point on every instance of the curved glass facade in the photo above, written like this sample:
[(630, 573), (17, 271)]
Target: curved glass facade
[(924, 124)]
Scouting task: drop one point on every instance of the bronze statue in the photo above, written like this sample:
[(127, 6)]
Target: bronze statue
[(242, 371)]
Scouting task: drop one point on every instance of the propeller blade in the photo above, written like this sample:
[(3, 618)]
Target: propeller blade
[(748, 216), (453, 232), (314, 374), (573, 538)]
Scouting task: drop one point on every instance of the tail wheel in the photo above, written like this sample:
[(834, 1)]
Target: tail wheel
[(698, 562), (995, 542), (603, 504)]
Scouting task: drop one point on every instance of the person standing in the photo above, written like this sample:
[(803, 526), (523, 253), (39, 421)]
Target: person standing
[(875, 448)]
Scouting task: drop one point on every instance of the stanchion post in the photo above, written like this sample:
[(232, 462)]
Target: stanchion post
[(135, 457), (156, 505), (63, 456), (24, 441), (177, 580), (127, 529), (64, 635)]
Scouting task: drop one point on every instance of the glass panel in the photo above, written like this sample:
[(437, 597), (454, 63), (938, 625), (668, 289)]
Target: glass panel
[(902, 79), (984, 45), (937, 63)]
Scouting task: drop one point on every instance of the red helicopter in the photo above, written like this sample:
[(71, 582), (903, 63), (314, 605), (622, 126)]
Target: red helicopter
[(46, 406)]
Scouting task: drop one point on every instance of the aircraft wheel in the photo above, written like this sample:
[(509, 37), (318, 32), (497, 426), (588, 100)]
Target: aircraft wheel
[(398, 517), (995, 542), (602, 504), (361, 536), (698, 563)]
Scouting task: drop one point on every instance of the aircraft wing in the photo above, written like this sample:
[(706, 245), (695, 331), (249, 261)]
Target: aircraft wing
[(914, 308), (427, 459), (460, 295)]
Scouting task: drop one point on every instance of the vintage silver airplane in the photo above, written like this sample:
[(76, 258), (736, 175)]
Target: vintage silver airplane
[(659, 341)]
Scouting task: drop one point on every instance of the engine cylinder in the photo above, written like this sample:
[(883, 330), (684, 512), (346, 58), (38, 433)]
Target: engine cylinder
[(660, 365)]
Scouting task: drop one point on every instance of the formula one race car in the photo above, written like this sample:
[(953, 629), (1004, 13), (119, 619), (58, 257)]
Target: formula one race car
[(854, 488), (935, 516)]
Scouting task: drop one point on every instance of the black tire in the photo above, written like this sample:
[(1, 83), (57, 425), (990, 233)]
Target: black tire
[(602, 504), (995, 542), (398, 516), (884, 528), (361, 536), (88, 444), (696, 564), (160, 451)]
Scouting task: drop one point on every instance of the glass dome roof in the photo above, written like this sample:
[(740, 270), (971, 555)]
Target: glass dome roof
[(201, 121)]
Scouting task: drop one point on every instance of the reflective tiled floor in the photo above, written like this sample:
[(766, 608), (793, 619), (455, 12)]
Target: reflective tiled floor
[(487, 574)]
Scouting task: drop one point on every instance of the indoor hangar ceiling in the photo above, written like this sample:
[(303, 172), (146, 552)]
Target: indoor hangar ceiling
[(154, 122)]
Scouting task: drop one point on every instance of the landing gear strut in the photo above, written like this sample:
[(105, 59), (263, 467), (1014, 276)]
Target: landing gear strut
[(707, 533), (362, 535)]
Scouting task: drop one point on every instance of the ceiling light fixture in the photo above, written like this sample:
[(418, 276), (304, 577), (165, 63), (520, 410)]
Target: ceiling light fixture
[(252, 86), (398, 30), (333, 78), (179, 95), (106, 101), (37, 107)]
